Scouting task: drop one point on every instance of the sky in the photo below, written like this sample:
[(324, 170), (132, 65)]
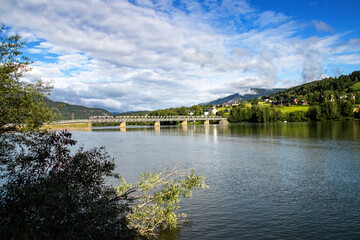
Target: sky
[(130, 55)]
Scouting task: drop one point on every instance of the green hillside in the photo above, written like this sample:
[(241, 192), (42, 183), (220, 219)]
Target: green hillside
[(356, 87), (67, 111), (327, 89)]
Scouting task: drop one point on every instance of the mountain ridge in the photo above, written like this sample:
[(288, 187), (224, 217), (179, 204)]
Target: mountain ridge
[(253, 93), (69, 111)]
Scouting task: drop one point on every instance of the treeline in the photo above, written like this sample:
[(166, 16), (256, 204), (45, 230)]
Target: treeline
[(259, 114), (332, 111), (327, 89), (183, 111), (326, 111)]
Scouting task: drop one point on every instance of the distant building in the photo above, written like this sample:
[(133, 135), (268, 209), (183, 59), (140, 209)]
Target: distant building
[(206, 112), (356, 109), (190, 112), (303, 102), (332, 98), (214, 111)]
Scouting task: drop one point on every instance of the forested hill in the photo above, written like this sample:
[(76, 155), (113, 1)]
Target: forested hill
[(318, 91), (66, 111)]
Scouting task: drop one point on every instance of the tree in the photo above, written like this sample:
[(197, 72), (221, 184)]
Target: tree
[(20, 103), (197, 110), (330, 110), (257, 114), (297, 116), (254, 102), (314, 113), (347, 109), (182, 111)]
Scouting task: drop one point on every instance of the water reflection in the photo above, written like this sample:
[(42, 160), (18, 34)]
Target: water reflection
[(337, 130)]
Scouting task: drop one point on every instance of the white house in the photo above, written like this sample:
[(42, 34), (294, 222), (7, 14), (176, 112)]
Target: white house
[(214, 111)]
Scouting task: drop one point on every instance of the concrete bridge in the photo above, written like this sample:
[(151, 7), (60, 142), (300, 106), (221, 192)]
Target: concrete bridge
[(156, 119)]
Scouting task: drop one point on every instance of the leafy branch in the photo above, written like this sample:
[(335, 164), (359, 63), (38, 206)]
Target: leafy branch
[(156, 199)]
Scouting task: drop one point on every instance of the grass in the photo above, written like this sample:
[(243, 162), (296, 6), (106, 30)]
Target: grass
[(283, 109), (293, 108), (356, 86), (264, 104)]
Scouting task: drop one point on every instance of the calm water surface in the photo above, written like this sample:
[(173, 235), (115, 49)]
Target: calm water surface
[(267, 181)]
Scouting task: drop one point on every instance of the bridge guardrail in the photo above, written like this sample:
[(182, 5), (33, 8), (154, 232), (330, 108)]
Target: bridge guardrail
[(153, 118)]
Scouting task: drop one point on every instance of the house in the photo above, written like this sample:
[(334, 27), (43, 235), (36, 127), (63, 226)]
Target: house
[(225, 105), (234, 102), (332, 98), (214, 111), (356, 109), (191, 112), (303, 102), (206, 112), (281, 102)]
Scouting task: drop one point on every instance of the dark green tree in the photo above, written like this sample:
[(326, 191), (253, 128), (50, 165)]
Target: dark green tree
[(20, 102), (330, 110), (257, 114), (347, 109), (297, 117), (182, 111), (254, 102), (197, 110), (314, 113)]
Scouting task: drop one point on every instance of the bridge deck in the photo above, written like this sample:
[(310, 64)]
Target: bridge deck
[(100, 119)]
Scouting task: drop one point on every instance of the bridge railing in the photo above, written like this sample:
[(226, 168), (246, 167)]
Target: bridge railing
[(153, 118)]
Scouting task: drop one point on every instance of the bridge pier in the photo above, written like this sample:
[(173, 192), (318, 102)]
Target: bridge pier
[(223, 122), (157, 124), (184, 123), (90, 125), (123, 125), (206, 122)]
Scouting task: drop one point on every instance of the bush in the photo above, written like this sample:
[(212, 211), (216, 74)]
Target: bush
[(297, 117)]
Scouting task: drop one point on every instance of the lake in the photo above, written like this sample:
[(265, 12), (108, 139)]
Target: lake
[(267, 181)]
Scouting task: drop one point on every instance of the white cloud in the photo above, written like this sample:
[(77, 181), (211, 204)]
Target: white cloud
[(322, 26), (270, 18), (122, 56), (349, 59)]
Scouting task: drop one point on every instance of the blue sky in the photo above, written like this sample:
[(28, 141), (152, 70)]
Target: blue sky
[(144, 54)]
